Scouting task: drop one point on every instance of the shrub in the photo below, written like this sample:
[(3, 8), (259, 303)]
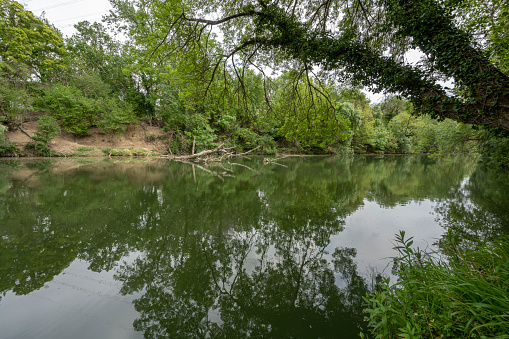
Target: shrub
[(268, 144), (178, 144), (3, 130), (6, 148), (77, 112), (47, 129), (461, 295)]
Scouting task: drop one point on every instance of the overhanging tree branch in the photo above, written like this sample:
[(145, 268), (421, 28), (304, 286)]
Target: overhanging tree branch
[(276, 27)]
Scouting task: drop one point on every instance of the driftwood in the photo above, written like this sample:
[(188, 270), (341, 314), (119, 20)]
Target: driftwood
[(241, 165), (267, 161), (242, 154), (202, 168), (227, 153), (201, 154), (221, 158)]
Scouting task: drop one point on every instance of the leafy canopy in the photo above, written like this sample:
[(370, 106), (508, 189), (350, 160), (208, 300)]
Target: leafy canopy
[(362, 41)]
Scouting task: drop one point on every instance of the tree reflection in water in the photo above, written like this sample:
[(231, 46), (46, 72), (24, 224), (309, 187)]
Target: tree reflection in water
[(478, 213), (263, 283)]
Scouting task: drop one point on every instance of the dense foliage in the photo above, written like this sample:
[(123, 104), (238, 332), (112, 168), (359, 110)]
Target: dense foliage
[(461, 296), (279, 75)]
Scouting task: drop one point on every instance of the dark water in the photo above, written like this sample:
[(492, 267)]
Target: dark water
[(164, 249)]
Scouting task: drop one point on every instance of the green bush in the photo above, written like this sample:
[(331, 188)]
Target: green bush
[(47, 129), (6, 148), (70, 106), (245, 137), (178, 144), (496, 152), (464, 294), (268, 144), (3, 131), (113, 115), (198, 126), (41, 149), (78, 112), (225, 122)]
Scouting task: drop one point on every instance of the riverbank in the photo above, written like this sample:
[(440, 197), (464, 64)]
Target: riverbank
[(141, 139), (459, 292), (138, 139)]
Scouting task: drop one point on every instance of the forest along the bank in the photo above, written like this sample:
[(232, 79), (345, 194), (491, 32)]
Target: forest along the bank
[(123, 72)]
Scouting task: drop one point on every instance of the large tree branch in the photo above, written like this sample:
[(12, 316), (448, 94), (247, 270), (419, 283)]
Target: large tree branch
[(486, 98), (249, 13), (489, 105)]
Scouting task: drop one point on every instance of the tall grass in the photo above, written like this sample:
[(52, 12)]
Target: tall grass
[(457, 293)]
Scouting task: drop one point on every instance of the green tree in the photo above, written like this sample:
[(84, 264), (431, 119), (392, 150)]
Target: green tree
[(304, 112), (27, 44), (349, 38), (404, 127), (31, 51), (487, 22), (15, 99), (365, 135), (97, 54), (393, 106)]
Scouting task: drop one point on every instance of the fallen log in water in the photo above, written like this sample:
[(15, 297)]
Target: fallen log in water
[(201, 154), (227, 154)]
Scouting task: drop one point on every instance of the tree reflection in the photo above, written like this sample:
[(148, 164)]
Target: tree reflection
[(268, 282), (478, 213)]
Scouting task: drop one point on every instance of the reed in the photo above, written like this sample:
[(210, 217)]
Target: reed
[(458, 292)]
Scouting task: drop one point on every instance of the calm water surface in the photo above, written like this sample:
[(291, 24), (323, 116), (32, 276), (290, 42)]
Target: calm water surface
[(133, 249)]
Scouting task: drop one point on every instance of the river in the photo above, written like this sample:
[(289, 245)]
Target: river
[(133, 248)]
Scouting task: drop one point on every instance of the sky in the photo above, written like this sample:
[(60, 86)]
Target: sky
[(64, 14)]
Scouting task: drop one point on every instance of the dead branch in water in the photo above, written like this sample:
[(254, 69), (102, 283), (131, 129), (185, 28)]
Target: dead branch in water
[(227, 153), (221, 154), (201, 154), (241, 165), (202, 168), (267, 161), (242, 154)]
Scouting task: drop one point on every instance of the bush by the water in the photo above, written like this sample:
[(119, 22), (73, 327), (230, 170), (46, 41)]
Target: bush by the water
[(457, 293)]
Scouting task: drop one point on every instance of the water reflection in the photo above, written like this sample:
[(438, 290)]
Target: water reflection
[(262, 283), (256, 254), (478, 213)]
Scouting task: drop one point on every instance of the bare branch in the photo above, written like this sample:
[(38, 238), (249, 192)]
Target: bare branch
[(242, 154), (167, 35), (202, 153), (223, 20)]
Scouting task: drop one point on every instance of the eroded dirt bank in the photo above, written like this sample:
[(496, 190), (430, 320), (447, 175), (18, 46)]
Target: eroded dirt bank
[(140, 138)]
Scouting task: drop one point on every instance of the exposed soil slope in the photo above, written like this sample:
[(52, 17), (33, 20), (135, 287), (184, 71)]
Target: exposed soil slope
[(139, 137)]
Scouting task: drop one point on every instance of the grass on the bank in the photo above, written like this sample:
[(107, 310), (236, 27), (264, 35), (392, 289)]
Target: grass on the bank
[(464, 294)]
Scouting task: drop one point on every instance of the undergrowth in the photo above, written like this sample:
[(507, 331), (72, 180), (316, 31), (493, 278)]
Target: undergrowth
[(457, 293)]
